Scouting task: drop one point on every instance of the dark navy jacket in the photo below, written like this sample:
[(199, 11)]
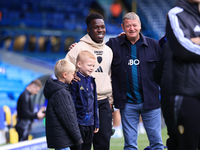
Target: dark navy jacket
[(80, 98), (61, 122), (149, 53)]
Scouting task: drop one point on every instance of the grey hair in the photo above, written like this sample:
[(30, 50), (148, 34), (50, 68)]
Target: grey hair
[(131, 15)]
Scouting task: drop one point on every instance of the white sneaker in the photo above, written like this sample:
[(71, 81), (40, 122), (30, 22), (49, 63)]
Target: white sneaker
[(118, 133)]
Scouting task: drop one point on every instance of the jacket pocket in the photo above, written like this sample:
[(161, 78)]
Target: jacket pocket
[(116, 66), (150, 65)]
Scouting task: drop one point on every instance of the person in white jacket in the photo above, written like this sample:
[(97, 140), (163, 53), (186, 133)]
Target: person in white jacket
[(94, 43)]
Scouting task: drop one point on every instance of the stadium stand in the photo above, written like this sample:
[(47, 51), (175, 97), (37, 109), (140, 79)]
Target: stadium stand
[(16, 72)]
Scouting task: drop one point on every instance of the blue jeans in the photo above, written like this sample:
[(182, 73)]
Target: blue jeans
[(152, 123), (63, 148)]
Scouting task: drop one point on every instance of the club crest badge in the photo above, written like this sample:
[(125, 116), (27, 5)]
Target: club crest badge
[(99, 59)]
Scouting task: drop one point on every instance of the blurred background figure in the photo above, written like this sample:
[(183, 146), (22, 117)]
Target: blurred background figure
[(163, 77), (116, 11), (25, 110)]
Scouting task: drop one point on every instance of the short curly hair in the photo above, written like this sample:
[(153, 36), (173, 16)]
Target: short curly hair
[(93, 16)]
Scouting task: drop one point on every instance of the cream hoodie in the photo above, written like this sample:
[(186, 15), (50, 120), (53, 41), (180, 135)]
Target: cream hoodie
[(102, 69)]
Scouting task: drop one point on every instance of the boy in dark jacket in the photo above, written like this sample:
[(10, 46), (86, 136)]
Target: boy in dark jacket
[(85, 99), (62, 129)]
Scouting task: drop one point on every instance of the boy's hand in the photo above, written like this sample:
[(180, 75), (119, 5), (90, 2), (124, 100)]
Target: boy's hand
[(96, 130), (72, 45)]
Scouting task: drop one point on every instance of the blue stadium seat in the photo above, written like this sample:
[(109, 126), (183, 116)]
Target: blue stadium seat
[(2, 118), (4, 96)]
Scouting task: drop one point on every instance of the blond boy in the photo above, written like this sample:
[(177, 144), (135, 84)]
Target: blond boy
[(84, 96), (62, 129)]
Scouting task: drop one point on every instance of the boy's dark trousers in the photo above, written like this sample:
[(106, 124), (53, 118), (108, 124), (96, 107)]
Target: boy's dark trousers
[(87, 136), (101, 139)]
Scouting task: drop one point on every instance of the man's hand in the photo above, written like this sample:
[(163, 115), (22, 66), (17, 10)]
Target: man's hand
[(111, 107), (72, 45), (40, 114), (76, 78)]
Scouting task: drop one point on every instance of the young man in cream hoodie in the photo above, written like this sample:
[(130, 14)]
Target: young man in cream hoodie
[(94, 43)]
